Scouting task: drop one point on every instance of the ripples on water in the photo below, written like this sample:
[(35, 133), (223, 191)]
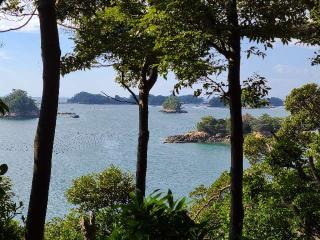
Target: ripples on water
[(105, 135)]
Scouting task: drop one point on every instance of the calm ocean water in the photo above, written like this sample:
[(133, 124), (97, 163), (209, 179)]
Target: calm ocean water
[(107, 134)]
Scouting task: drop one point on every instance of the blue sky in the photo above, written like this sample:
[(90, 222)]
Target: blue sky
[(285, 68)]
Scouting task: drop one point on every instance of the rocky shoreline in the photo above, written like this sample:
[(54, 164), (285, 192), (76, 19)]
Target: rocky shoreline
[(198, 137), (172, 111)]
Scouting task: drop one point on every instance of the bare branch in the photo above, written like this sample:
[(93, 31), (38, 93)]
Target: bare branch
[(23, 25), (131, 92), (118, 100), (67, 26)]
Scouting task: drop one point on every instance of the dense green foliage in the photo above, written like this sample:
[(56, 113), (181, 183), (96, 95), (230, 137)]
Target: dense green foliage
[(100, 193), (97, 191), (20, 104), (282, 185), (172, 103), (9, 210), (157, 217), (265, 125), (212, 126)]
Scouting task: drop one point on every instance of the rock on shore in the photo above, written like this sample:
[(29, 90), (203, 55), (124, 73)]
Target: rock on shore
[(198, 137)]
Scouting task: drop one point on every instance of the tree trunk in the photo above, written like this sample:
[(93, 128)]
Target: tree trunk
[(43, 143), (236, 211), (143, 140)]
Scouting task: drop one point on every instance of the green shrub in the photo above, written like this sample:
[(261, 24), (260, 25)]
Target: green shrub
[(9, 210), (157, 217), (101, 190)]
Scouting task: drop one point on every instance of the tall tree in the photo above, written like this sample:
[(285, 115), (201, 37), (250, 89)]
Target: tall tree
[(221, 26), (44, 139), (115, 35)]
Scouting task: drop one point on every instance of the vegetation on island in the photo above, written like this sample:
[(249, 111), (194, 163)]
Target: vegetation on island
[(172, 104), (89, 98), (212, 130), (20, 105)]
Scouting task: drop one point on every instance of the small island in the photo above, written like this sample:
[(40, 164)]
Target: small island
[(212, 130), (172, 104), (20, 105)]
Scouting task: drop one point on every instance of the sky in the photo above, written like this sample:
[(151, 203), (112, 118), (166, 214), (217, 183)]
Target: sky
[(285, 67)]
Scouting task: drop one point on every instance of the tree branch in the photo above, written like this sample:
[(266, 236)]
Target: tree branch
[(122, 101), (213, 197), (23, 25), (313, 170)]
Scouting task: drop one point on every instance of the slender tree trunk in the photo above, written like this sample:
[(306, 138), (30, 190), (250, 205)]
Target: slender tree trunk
[(142, 154), (43, 143), (236, 211)]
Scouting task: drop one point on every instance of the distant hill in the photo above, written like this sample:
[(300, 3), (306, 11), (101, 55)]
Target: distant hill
[(273, 102), (89, 98)]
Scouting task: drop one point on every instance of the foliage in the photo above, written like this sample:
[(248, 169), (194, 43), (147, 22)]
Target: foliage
[(157, 217), (20, 103), (9, 227), (67, 228), (265, 125), (282, 185), (212, 125), (172, 103), (101, 190)]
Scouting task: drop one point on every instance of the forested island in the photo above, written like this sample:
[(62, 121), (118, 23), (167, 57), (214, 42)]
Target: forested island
[(272, 102), (20, 105), (172, 104), (212, 130), (89, 98)]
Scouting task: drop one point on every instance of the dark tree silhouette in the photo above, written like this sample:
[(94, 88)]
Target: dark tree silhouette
[(43, 143)]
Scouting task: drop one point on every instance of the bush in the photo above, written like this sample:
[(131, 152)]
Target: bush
[(106, 189), (9, 227), (212, 126), (157, 217)]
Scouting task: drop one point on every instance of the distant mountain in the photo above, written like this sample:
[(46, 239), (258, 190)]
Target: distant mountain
[(184, 99), (89, 98), (216, 102), (273, 102)]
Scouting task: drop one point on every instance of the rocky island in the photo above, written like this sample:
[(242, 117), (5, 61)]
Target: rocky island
[(20, 105), (172, 104), (212, 130)]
